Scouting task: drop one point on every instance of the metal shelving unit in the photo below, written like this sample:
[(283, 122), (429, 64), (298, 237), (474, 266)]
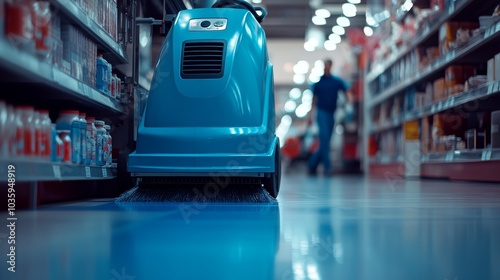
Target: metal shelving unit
[(425, 35), (489, 40), (451, 102), (29, 80), (32, 69), (478, 49), (31, 170)]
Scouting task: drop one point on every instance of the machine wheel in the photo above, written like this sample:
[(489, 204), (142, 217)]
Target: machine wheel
[(272, 183)]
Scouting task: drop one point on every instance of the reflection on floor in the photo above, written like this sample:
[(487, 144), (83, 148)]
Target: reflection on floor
[(343, 227)]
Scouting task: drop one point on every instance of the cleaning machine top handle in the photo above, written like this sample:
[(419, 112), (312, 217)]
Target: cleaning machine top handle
[(242, 4)]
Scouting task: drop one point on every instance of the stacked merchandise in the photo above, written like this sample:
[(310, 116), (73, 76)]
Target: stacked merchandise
[(74, 138), (104, 12), (80, 53), (30, 26), (442, 82)]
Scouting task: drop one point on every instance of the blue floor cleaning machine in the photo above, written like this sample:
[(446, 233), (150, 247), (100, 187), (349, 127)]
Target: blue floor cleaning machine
[(210, 115)]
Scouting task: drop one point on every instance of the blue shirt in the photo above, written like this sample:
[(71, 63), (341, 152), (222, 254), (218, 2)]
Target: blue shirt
[(327, 92)]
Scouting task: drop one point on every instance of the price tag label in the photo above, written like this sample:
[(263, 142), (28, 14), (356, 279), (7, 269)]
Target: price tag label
[(491, 88), (57, 171), (87, 172), (486, 155), (104, 172), (488, 32), (449, 156)]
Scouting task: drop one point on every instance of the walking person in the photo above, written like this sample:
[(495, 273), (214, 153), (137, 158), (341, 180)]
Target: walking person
[(324, 104)]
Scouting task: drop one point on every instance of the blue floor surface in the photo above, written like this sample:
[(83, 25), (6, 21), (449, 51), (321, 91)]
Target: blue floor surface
[(343, 227)]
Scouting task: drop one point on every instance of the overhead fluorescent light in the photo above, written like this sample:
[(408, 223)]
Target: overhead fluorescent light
[(329, 46), (335, 38), (317, 20), (349, 9), (337, 29), (354, 1), (343, 21), (324, 13)]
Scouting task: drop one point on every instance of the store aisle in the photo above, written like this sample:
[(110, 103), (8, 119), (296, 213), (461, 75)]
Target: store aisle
[(344, 227)]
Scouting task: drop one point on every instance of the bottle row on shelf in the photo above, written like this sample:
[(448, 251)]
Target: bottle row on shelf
[(59, 43), (28, 21), (74, 138)]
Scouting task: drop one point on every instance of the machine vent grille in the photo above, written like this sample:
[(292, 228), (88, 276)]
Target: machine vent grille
[(202, 60)]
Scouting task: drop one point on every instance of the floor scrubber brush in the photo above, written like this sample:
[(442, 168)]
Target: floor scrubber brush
[(210, 115)]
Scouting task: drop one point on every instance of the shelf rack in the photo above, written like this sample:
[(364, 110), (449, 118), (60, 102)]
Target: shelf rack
[(113, 51), (32, 69), (478, 49), (31, 170)]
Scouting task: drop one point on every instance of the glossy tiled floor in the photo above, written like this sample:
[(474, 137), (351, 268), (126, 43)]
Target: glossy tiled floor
[(344, 227)]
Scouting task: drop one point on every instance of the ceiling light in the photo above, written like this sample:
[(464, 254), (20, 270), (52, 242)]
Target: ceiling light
[(330, 45), (354, 1), (295, 93), (324, 13), (343, 21), (290, 106), (302, 110), (349, 9), (310, 46), (299, 79), (368, 31), (256, 1), (302, 67), (337, 29), (317, 20), (335, 38)]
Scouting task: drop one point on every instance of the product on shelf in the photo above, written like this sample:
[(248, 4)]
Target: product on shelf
[(439, 90), (453, 34), (426, 136), (476, 132), (100, 143), (69, 120), (44, 144), (25, 131), (19, 24), (102, 75), (455, 78), (91, 135), (67, 145), (118, 87), (443, 126), (79, 52), (491, 70), (57, 145), (495, 132), (476, 81), (83, 138), (41, 23), (476, 139), (109, 145)]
